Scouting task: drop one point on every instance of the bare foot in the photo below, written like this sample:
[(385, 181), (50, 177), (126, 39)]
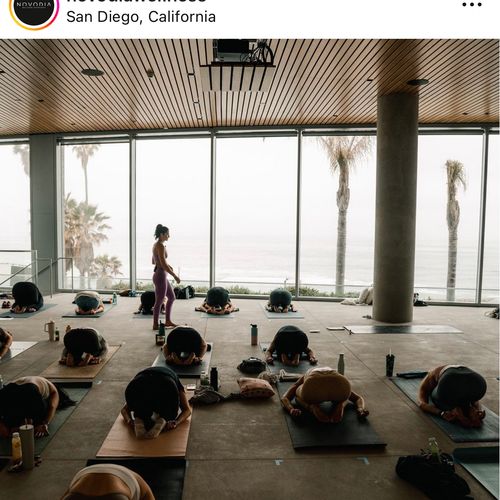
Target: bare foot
[(170, 325)]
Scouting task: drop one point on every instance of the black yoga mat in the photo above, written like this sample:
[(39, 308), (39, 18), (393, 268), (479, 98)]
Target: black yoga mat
[(401, 329), (72, 314), (287, 315), (9, 314), (482, 464), (306, 432), (76, 392), (192, 371), (165, 476), (302, 367), (16, 348), (487, 432)]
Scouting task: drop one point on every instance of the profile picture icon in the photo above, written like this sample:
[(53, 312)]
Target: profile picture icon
[(34, 14)]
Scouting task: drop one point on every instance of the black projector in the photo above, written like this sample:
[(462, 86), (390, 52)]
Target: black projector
[(228, 50)]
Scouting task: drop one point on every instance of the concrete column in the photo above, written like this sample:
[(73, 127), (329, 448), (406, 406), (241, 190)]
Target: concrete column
[(396, 200), (43, 180)]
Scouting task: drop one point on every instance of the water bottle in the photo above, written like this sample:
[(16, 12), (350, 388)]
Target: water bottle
[(254, 335), (114, 298), (161, 329), (56, 335), (389, 364), (27, 434), (341, 364), (434, 449), (17, 454), (204, 378), (214, 378), (186, 291)]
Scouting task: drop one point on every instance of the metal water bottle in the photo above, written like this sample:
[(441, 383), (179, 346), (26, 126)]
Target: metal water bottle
[(214, 378), (115, 300), (254, 334), (161, 330), (341, 364), (56, 335)]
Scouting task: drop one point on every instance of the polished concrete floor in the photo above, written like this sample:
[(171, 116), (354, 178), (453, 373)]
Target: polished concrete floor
[(242, 449)]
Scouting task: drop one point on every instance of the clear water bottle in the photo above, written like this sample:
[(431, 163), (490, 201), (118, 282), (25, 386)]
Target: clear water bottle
[(434, 449), (341, 364), (17, 454)]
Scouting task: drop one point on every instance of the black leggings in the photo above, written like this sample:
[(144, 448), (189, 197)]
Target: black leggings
[(154, 389), (290, 340), (184, 339), (26, 294), (458, 387)]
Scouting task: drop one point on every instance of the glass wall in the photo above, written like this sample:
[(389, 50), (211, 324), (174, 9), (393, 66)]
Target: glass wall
[(448, 208), (96, 214), (337, 215), (173, 189), (256, 213), (15, 228), (255, 199), (491, 276)]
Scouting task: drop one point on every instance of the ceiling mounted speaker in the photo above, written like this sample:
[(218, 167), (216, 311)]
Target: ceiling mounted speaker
[(236, 77)]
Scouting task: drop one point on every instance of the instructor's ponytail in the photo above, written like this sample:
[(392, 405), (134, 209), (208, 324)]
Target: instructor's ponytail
[(160, 229)]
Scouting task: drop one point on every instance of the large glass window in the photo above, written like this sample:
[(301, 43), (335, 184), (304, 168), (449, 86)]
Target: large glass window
[(448, 199), (491, 238), (96, 214), (256, 213), (337, 215), (15, 207), (173, 189)]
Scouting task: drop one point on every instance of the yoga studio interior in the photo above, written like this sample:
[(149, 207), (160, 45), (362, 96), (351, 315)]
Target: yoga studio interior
[(344, 193)]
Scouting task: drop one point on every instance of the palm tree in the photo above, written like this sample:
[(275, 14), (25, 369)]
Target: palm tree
[(84, 227), (104, 267), (343, 153), (84, 152), (23, 151), (455, 173)]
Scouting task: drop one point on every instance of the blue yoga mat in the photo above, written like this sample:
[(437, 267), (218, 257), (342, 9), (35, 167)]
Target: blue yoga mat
[(487, 432), (482, 464), (9, 314), (72, 314)]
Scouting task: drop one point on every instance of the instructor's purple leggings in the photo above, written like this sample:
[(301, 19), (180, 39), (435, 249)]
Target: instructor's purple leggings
[(162, 289)]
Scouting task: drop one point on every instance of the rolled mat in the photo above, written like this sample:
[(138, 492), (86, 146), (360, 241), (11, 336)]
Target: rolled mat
[(9, 314), (16, 348), (121, 441), (191, 371), (482, 464), (403, 329), (306, 432), (487, 432), (165, 476), (58, 371), (302, 367), (76, 392), (72, 314), (287, 315)]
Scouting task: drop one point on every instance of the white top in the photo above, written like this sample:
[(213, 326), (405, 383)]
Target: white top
[(119, 471), (41, 383)]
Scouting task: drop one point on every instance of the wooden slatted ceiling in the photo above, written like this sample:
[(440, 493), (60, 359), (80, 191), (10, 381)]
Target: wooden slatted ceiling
[(316, 82)]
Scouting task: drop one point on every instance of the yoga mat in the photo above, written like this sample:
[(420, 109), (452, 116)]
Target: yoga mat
[(16, 348), (488, 431), (218, 316), (73, 314), (306, 432), (121, 441), (76, 392), (287, 315), (57, 371), (482, 464), (303, 366), (401, 329), (192, 371), (8, 314), (165, 476)]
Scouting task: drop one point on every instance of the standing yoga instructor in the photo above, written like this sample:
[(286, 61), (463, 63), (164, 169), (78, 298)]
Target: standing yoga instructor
[(162, 270)]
